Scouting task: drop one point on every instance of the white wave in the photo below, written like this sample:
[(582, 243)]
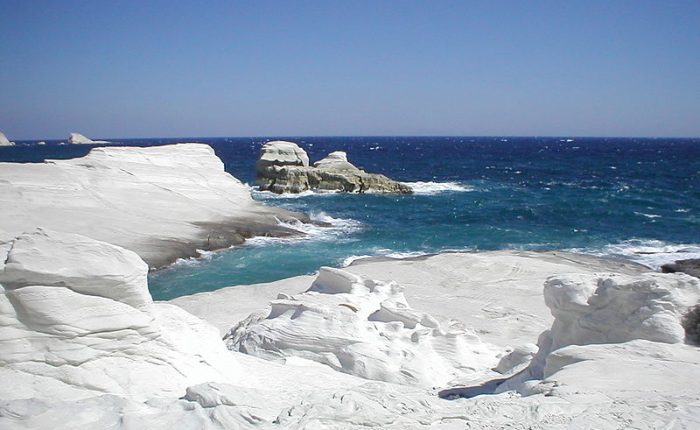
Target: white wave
[(652, 253), (204, 256), (386, 253), (339, 228), (430, 187), (353, 258), (650, 216), (267, 195)]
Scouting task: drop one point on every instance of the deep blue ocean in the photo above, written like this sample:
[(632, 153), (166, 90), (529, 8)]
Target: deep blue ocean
[(632, 198)]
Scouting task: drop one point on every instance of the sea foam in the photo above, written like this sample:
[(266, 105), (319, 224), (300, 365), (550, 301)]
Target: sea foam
[(335, 229), (652, 253), (431, 187)]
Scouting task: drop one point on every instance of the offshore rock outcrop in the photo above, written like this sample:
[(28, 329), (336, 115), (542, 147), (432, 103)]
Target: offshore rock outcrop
[(79, 139), (4, 141), (283, 167)]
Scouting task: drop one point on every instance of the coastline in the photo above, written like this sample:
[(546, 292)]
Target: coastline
[(445, 339), (431, 281), (163, 202)]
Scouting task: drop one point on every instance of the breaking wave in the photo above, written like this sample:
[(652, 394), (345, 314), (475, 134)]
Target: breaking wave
[(322, 227), (652, 253), (430, 187)]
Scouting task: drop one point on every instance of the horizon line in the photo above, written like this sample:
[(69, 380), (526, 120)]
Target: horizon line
[(290, 136)]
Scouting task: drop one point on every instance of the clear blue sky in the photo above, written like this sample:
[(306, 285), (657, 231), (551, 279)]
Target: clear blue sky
[(255, 68)]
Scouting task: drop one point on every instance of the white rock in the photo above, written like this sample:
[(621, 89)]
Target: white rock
[(79, 139), (83, 346), (4, 141), (364, 328), (68, 383), (613, 308), (76, 320), (337, 160), (283, 153), (498, 292), (162, 202), (283, 167)]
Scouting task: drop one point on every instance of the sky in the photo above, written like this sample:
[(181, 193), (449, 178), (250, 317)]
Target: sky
[(164, 68)]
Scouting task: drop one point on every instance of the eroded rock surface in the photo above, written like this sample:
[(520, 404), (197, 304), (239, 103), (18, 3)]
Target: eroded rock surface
[(610, 309), (364, 328), (77, 320)]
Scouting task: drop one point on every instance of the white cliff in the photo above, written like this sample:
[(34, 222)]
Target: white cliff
[(79, 139), (163, 202)]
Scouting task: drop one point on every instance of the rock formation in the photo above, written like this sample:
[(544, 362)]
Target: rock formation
[(610, 309), (82, 345), (4, 141), (283, 167), (690, 266), (77, 319), (79, 139), (162, 202), (364, 328)]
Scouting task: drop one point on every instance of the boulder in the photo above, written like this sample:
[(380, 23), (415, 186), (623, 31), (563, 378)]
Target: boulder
[(281, 153), (79, 139), (4, 141), (78, 321), (614, 308), (690, 267), (283, 167)]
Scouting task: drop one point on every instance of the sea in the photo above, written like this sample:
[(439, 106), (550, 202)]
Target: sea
[(631, 198)]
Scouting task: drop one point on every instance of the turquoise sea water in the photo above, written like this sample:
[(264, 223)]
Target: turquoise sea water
[(632, 198)]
